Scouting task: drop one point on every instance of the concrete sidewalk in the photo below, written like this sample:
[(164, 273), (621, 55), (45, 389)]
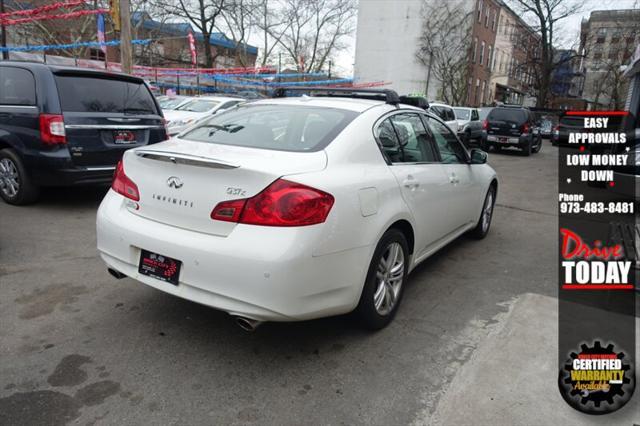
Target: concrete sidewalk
[(492, 388)]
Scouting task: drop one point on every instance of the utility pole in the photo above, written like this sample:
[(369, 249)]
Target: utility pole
[(426, 93), (329, 69), (3, 37), (125, 36)]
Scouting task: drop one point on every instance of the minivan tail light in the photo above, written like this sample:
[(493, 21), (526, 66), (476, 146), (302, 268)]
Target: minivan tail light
[(52, 129), (123, 185), (525, 128), (485, 124), (283, 203)]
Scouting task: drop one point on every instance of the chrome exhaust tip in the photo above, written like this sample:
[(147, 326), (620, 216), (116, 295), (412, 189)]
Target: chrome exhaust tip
[(116, 274), (248, 324)]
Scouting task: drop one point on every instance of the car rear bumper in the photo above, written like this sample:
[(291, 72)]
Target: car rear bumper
[(73, 176), (263, 273)]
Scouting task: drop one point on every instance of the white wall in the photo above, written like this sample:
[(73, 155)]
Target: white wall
[(386, 45)]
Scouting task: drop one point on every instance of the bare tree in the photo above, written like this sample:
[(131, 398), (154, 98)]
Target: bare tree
[(239, 19), (444, 47), (202, 14), (315, 30), (545, 14), (272, 26)]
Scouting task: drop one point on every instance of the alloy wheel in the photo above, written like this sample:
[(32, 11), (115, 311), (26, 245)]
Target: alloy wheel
[(487, 211), (389, 278), (9, 179)]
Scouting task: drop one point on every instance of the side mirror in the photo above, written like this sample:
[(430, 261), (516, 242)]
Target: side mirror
[(478, 156)]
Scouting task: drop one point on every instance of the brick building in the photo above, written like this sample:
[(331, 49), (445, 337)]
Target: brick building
[(483, 33)]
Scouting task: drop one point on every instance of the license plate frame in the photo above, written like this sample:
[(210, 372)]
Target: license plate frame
[(124, 137), (160, 267)]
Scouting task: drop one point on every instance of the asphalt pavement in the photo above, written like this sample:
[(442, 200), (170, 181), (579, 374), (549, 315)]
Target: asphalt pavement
[(79, 347)]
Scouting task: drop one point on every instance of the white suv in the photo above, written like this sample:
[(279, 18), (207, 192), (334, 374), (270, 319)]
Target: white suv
[(295, 208)]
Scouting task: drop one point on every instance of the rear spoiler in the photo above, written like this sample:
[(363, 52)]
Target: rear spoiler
[(180, 158)]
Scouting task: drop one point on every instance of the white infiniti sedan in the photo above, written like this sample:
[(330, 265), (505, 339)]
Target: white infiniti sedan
[(295, 208)]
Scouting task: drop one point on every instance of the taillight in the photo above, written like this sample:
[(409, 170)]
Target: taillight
[(485, 124), (123, 185), (556, 130), (525, 128), (52, 129), (283, 203)]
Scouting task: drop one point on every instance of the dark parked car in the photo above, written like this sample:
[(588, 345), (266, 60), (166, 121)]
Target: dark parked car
[(65, 126), (512, 126)]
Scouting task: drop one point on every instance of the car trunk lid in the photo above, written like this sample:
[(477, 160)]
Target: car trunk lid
[(180, 182)]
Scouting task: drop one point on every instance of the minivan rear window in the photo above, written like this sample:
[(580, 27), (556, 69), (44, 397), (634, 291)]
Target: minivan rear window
[(277, 127), (92, 94), (508, 114)]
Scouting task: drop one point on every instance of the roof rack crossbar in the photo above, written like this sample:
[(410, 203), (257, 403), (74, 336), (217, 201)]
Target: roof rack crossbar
[(389, 96)]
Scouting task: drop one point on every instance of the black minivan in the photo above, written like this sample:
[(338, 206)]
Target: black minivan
[(64, 126), (512, 126)]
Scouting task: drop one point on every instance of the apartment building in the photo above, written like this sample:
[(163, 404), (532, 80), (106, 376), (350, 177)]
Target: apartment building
[(483, 50), (607, 41), (499, 47), (517, 48)]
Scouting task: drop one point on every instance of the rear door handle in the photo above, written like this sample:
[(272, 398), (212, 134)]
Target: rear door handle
[(410, 182)]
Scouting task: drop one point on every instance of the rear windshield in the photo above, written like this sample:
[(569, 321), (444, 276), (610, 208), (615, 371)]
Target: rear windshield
[(278, 127), (462, 114), (198, 105), (508, 114), (171, 103), (91, 94)]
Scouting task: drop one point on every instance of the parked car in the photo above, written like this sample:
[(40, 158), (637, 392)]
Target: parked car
[(469, 124), (67, 126), (170, 103), (445, 112), (197, 108), (512, 126), (295, 208)]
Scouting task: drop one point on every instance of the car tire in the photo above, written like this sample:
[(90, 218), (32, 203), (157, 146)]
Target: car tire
[(16, 186), (526, 149), (538, 147), (484, 222), (375, 309), (466, 139)]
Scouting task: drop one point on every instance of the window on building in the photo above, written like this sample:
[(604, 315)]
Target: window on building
[(494, 20), (96, 54), (613, 53), (475, 49), (615, 36), (470, 91), (479, 10), (486, 17), (489, 53), (484, 89), (601, 35), (481, 54), (477, 91)]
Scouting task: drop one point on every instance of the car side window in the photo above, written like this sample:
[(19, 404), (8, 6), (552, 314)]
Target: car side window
[(404, 139), (474, 115), (451, 151), (451, 116), (17, 87)]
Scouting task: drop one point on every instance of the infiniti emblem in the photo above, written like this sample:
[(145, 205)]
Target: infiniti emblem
[(174, 182)]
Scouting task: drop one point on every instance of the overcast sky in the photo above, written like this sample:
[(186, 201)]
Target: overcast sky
[(570, 27)]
